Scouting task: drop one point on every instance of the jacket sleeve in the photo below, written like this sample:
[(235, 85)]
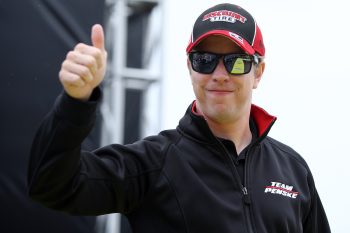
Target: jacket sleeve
[(316, 221), (114, 178)]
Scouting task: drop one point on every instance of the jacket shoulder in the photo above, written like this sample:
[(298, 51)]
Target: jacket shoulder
[(159, 143), (285, 150), (165, 137)]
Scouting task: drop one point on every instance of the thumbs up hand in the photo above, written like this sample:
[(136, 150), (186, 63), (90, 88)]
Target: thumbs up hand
[(85, 66)]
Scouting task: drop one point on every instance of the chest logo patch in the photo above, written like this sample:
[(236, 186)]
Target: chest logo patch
[(281, 189)]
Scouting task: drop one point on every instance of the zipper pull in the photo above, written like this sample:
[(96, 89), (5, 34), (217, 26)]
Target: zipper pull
[(246, 198)]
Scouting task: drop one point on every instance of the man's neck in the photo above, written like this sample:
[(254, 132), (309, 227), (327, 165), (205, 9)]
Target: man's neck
[(233, 128), (238, 132)]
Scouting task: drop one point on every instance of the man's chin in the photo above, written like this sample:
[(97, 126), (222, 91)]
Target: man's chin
[(220, 113)]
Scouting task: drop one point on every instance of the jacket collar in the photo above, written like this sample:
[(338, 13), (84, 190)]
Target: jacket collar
[(195, 126)]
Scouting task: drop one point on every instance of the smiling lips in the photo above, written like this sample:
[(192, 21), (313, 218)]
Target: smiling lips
[(219, 91)]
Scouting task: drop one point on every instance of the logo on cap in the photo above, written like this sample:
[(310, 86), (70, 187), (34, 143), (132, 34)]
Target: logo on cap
[(237, 37), (225, 16)]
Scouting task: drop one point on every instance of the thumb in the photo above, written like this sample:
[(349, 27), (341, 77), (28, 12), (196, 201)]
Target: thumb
[(97, 37)]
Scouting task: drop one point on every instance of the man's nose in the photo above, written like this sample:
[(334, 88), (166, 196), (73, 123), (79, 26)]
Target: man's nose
[(220, 73)]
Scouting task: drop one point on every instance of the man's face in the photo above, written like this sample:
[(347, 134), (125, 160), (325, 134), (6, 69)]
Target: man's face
[(223, 97)]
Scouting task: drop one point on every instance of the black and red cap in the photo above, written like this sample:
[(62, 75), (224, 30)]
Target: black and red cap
[(231, 21)]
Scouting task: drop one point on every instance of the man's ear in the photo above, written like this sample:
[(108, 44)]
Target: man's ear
[(259, 70)]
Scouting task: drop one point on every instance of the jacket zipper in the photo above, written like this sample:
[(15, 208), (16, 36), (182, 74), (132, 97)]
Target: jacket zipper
[(246, 199)]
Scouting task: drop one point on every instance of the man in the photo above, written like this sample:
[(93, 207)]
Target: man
[(218, 171)]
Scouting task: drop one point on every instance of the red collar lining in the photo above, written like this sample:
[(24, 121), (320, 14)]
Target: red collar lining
[(262, 119)]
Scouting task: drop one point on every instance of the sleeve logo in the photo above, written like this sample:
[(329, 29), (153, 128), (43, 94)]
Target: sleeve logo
[(281, 189)]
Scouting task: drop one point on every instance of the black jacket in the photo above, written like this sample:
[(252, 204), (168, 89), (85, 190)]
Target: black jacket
[(182, 180)]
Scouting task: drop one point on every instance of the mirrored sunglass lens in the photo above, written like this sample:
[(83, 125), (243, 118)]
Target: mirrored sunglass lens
[(238, 64), (203, 62)]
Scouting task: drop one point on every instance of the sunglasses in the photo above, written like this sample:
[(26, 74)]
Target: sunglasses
[(205, 63)]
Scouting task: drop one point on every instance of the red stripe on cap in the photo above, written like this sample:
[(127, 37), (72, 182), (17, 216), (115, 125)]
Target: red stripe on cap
[(240, 41), (258, 43)]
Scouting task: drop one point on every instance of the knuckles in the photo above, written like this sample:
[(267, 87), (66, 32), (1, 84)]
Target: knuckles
[(90, 61), (64, 64), (71, 55), (84, 71), (80, 46), (88, 50)]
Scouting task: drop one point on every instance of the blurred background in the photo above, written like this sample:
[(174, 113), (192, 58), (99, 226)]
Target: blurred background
[(147, 88)]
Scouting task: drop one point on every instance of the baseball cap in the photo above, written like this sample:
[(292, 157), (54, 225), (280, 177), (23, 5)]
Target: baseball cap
[(231, 21)]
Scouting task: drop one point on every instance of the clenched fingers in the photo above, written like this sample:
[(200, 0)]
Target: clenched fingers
[(84, 67), (92, 51), (70, 79)]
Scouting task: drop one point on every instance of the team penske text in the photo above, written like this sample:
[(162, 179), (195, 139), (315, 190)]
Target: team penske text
[(281, 189)]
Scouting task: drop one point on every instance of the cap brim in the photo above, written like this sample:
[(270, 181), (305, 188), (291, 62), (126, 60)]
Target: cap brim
[(240, 41)]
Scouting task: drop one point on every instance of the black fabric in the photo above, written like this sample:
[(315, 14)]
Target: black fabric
[(181, 180), (35, 37), (239, 160)]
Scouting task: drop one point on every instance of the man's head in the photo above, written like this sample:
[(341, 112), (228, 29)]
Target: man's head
[(225, 61)]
